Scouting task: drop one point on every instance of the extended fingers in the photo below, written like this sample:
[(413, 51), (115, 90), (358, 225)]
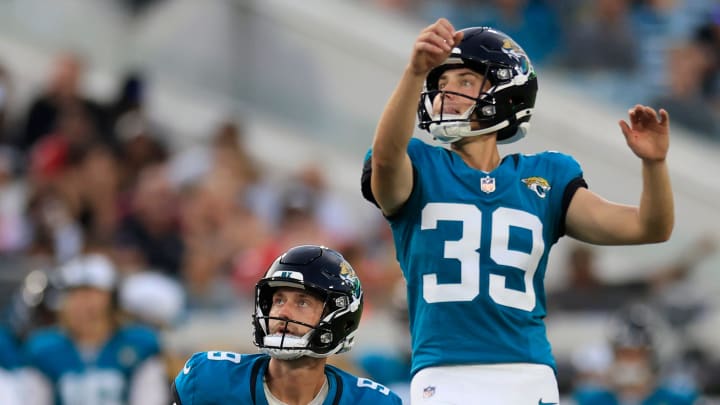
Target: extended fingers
[(646, 115)]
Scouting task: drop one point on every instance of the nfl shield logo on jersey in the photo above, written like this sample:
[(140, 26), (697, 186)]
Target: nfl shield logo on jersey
[(428, 391), (487, 184)]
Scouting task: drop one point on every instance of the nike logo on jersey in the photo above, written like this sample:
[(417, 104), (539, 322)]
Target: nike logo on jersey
[(540, 402), (186, 369), (537, 184)]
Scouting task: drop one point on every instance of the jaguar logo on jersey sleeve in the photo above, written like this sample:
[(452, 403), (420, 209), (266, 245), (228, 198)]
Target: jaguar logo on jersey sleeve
[(537, 184)]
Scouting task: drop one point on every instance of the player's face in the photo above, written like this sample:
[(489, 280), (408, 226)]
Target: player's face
[(631, 368), (84, 305), (464, 81), (295, 305)]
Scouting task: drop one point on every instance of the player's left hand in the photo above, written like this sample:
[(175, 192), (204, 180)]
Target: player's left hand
[(647, 137)]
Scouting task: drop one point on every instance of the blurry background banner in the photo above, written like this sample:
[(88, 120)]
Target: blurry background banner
[(199, 139)]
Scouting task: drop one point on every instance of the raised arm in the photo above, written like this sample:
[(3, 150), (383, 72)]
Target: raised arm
[(392, 173), (593, 219)]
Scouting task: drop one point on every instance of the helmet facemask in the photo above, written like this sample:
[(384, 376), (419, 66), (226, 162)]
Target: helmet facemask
[(286, 346)]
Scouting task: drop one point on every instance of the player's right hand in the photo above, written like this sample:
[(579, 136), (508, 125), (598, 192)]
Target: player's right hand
[(433, 46)]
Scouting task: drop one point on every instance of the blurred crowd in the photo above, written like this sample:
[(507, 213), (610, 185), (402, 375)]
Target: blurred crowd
[(183, 231), (190, 231), (662, 53), (649, 321)]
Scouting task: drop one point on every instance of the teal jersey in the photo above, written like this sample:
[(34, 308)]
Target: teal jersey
[(660, 396), (473, 247), (10, 352), (214, 378), (102, 377)]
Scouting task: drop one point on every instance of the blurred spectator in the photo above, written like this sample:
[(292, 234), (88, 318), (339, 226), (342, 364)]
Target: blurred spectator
[(635, 374), (587, 291), (13, 199), (380, 271), (62, 96), (158, 302), (130, 97), (5, 99), (708, 37), (73, 190), (226, 208), (531, 23), (229, 150), (674, 292), (601, 39), (54, 234), (660, 25), (96, 181), (141, 141), (88, 186), (141, 145), (299, 222), (152, 223), (688, 65), (152, 299), (310, 188), (588, 368), (90, 358), (217, 228)]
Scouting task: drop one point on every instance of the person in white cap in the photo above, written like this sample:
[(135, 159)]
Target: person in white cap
[(89, 358)]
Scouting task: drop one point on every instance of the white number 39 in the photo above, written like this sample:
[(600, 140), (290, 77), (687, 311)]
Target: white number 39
[(465, 250)]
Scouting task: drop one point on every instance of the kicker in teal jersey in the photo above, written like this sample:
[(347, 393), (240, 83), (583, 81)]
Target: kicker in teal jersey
[(473, 247)]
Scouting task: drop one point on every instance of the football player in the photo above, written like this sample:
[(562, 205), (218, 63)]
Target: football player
[(89, 358), (307, 308), (634, 375), (473, 230)]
